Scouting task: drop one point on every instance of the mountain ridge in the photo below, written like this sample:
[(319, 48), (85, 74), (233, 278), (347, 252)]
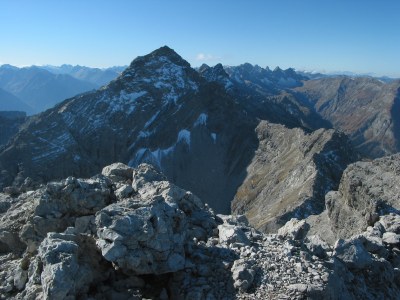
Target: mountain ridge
[(158, 110)]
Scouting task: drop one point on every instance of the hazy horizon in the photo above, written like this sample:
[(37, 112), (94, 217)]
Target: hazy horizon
[(330, 37)]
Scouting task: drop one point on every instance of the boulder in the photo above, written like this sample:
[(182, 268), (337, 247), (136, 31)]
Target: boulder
[(391, 238), (74, 196), (317, 246), (390, 222), (242, 274), (294, 229), (146, 235), (353, 254), (229, 234), (59, 255), (118, 172), (146, 173)]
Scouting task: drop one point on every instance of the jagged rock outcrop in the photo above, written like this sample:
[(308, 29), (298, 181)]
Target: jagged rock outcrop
[(248, 74), (367, 190), (366, 109), (158, 241), (290, 174), (364, 215), (263, 94)]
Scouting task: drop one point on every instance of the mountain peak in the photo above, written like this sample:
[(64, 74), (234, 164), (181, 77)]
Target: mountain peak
[(164, 51), (170, 54), (161, 55), (8, 67)]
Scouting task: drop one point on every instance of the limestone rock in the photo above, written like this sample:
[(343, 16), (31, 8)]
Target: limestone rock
[(59, 254), (146, 173), (353, 254), (317, 246), (161, 241), (231, 234), (366, 188), (294, 229), (391, 238), (145, 239), (390, 222), (118, 172), (74, 196), (242, 274)]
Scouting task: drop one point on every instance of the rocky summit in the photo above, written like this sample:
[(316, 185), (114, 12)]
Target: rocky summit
[(130, 234)]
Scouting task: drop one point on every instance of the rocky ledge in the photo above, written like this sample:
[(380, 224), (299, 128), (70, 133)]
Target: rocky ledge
[(130, 234)]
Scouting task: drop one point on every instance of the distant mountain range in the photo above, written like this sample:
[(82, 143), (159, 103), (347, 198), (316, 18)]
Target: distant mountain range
[(36, 89), (96, 76), (317, 75)]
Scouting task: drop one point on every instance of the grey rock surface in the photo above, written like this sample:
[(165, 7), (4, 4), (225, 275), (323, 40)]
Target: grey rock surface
[(242, 274), (294, 229), (162, 242), (143, 237), (366, 190)]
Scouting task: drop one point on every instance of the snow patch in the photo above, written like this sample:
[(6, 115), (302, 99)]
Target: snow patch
[(184, 135), (214, 137), (136, 95), (152, 157), (139, 155), (54, 147), (144, 134), (159, 154), (201, 120), (151, 120), (155, 157), (228, 84)]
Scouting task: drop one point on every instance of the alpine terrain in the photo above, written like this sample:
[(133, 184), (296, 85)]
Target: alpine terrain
[(170, 182)]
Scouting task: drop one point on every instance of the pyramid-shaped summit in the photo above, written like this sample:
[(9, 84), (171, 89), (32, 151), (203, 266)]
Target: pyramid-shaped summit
[(162, 53), (162, 71)]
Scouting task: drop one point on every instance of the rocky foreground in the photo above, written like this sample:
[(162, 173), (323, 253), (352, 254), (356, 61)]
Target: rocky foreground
[(130, 234)]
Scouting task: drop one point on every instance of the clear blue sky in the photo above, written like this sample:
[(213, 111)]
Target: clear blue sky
[(354, 35)]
